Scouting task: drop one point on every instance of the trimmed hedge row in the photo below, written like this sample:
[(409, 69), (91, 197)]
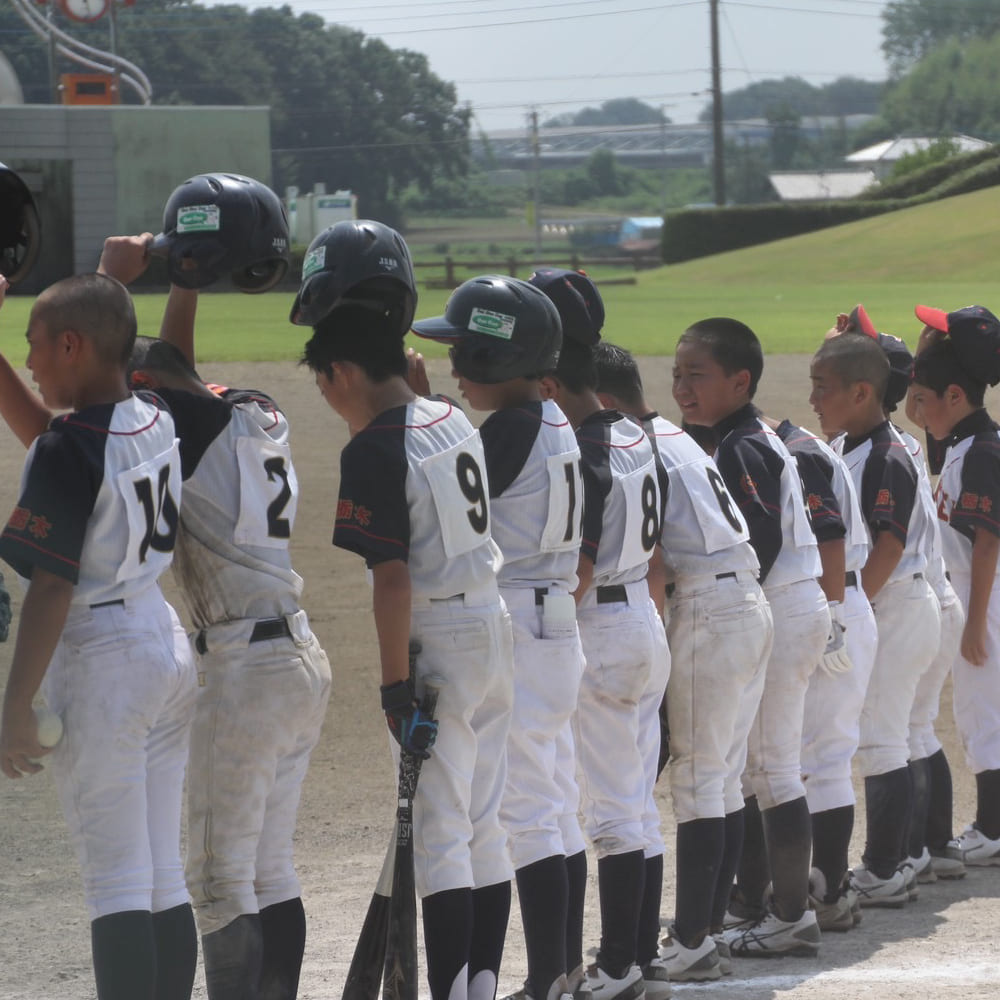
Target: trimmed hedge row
[(701, 232), (704, 231)]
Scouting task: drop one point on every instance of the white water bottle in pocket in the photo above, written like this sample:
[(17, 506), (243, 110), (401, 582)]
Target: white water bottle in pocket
[(558, 616)]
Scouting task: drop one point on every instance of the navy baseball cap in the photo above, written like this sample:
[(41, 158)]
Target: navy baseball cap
[(575, 295), (898, 354), (975, 332)]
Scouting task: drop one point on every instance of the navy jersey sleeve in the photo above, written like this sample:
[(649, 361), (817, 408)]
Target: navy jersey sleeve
[(373, 516), (508, 437), (49, 523), (978, 506), (888, 490), (752, 475), (816, 473), (596, 488)]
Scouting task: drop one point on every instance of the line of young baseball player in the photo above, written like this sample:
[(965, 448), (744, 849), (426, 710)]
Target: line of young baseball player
[(525, 571)]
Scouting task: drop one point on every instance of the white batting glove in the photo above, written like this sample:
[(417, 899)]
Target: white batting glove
[(835, 658)]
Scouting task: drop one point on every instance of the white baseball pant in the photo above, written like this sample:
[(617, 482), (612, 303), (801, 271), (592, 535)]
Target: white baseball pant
[(719, 632), (467, 654), (976, 692), (832, 721), (259, 712), (620, 647), (122, 679), (923, 740), (801, 627), (908, 617), (547, 674)]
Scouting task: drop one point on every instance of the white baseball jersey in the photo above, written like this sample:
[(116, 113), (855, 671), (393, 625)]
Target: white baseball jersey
[(888, 487), (413, 486), (621, 513), (702, 531), (935, 554), (968, 491), (240, 498), (830, 495), (536, 494), (100, 494), (764, 480)]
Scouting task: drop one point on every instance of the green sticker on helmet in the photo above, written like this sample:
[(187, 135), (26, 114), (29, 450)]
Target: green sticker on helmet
[(493, 324), (314, 261), (198, 219)]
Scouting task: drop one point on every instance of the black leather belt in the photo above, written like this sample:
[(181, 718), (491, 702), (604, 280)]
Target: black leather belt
[(850, 579), (918, 576), (266, 628), (270, 628), (615, 594), (540, 593), (671, 587), (120, 603)]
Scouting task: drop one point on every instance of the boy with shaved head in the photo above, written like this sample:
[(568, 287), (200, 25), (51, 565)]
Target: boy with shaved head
[(93, 529)]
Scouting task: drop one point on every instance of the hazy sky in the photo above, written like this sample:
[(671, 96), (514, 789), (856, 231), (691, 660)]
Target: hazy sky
[(506, 56)]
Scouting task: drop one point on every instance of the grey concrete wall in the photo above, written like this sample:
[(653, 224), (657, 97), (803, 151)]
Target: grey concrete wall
[(118, 166)]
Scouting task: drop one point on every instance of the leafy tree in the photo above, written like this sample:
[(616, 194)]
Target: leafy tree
[(954, 89), (345, 109), (619, 111), (602, 169), (936, 152), (784, 122), (844, 96), (912, 29)]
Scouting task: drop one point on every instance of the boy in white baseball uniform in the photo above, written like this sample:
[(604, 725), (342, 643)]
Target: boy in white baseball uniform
[(504, 334), (617, 724), (719, 632), (849, 376), (414, 503), (836, 692), (956, 361), (718, 365), (264, 681), (94, 527)]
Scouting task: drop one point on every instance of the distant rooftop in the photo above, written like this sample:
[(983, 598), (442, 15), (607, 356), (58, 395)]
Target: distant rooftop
[(892, 149), (820, 185)]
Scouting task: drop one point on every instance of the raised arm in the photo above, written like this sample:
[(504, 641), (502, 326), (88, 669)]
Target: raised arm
[(25, 413), (177, 326)]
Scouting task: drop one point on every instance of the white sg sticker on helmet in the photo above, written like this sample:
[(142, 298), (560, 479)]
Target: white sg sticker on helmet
[(492, 323), (314, 261), (198, 219)]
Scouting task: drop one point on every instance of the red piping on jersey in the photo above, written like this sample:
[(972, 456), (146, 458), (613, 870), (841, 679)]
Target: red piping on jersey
[(624, 447), (345, 526), (26, 541), (417, 427), (68, 419)]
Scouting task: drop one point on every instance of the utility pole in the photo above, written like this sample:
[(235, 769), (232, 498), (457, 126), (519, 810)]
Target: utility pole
[(536, 184), (718, 161)]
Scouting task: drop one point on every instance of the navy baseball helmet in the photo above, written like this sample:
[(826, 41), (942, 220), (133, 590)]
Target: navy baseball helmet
[(499, 328), (218, 224), (358, 261), (895, 349), (20, 231), (580, 305), (975, 332)]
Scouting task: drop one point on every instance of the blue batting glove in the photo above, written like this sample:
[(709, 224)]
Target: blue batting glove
[(411, 728)]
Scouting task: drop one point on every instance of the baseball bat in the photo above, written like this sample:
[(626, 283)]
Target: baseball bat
[(400, 978), (364, 977)]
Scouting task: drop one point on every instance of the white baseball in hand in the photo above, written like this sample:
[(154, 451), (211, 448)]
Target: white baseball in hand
[(50, 727)]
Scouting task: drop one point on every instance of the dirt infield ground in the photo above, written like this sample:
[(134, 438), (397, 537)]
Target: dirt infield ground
[(942, 946)]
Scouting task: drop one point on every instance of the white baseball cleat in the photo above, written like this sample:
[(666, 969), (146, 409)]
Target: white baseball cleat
[(948, 861), (875, 891), (687, 965), (656, 980), (773, 937), (603, 986), (978, 850)]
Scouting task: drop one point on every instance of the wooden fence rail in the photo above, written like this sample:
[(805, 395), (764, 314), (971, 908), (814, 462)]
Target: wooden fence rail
[(514, 267)]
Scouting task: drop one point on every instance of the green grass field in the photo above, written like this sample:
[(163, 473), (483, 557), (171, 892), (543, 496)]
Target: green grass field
[(944, 254)]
